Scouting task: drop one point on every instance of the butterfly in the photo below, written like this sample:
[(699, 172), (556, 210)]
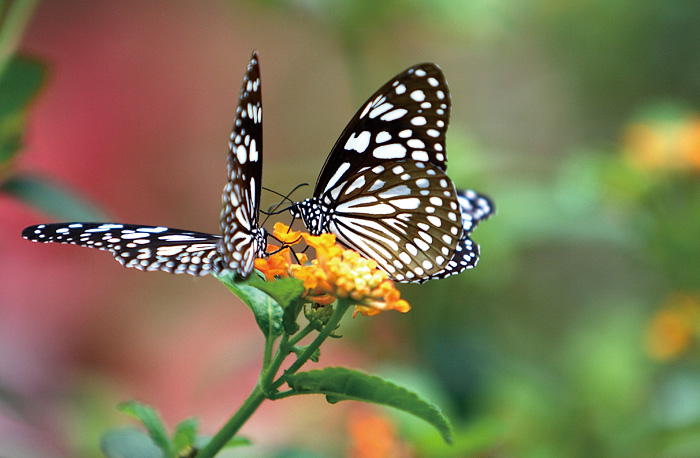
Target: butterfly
[(158, 248), (383, 190)]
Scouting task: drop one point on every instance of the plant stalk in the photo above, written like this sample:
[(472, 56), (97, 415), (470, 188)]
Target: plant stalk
[(225, 434)]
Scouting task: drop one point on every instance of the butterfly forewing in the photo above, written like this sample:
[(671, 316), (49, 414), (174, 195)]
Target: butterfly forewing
[(142, 247), (406, 119), (243, 240)]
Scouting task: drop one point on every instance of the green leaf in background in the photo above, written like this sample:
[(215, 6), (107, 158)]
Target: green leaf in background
[(19, 84), (185, 433), (268, 313), (129, 443), (50, 198), (341, 384), (151, 421), (238, 441)]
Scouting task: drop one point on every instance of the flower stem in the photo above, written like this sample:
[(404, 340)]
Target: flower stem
[(340, 309), (231, 427), (264, 389)]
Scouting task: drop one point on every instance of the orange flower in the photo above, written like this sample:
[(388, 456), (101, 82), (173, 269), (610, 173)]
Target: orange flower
[(335, 273), (674, 327), (278, 263), (340, 273), (374, 436), (285, 235)]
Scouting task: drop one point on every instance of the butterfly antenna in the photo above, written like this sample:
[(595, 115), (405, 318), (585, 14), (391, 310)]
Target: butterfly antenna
[(275, 209)]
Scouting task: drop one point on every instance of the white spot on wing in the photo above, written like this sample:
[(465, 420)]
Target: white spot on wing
[(391, 151), (358, 143), (394, 114)]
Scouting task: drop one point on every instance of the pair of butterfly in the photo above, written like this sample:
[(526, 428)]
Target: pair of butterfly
[(383, 191)]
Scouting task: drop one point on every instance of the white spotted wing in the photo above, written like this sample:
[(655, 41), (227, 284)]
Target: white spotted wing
[(243, 240), (157, 248), (150, 248)]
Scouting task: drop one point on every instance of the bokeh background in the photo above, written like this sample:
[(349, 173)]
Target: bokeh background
[(577, 334)]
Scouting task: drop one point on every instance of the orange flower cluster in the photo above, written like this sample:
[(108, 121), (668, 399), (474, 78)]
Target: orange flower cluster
[(664, 144), (335, 273), (674, 327)]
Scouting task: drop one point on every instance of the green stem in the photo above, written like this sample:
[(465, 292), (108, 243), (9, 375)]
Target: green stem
[(272, 366), (231, 427), (284, 348), (15, 17), (267, 357), (341, 307), (300, 335), (265, 387)]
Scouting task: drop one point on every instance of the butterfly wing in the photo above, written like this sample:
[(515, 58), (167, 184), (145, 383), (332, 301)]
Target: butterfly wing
[(474, 208), (406, 119), (405, 217), (243, 240), (152, 248)]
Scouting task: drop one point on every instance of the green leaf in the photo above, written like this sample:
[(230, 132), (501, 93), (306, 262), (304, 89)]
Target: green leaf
[(285, 291), (291, 314), (185, 433), (151, 421), (238, 441), (341, 384), (19, 84), (129, 443), (235, 441), (268, 313), (50, 198)]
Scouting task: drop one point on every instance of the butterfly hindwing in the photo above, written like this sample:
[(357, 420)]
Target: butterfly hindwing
[(409, 225), (152, 248), (474, 208)]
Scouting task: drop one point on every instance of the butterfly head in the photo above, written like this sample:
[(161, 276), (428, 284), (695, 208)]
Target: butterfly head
[(314, 216)]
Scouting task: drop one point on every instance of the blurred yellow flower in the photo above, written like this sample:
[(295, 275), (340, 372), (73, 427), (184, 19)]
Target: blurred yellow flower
[(674, 327), (664, 144)]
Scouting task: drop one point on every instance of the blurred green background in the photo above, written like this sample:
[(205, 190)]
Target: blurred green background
[(577, 334)]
